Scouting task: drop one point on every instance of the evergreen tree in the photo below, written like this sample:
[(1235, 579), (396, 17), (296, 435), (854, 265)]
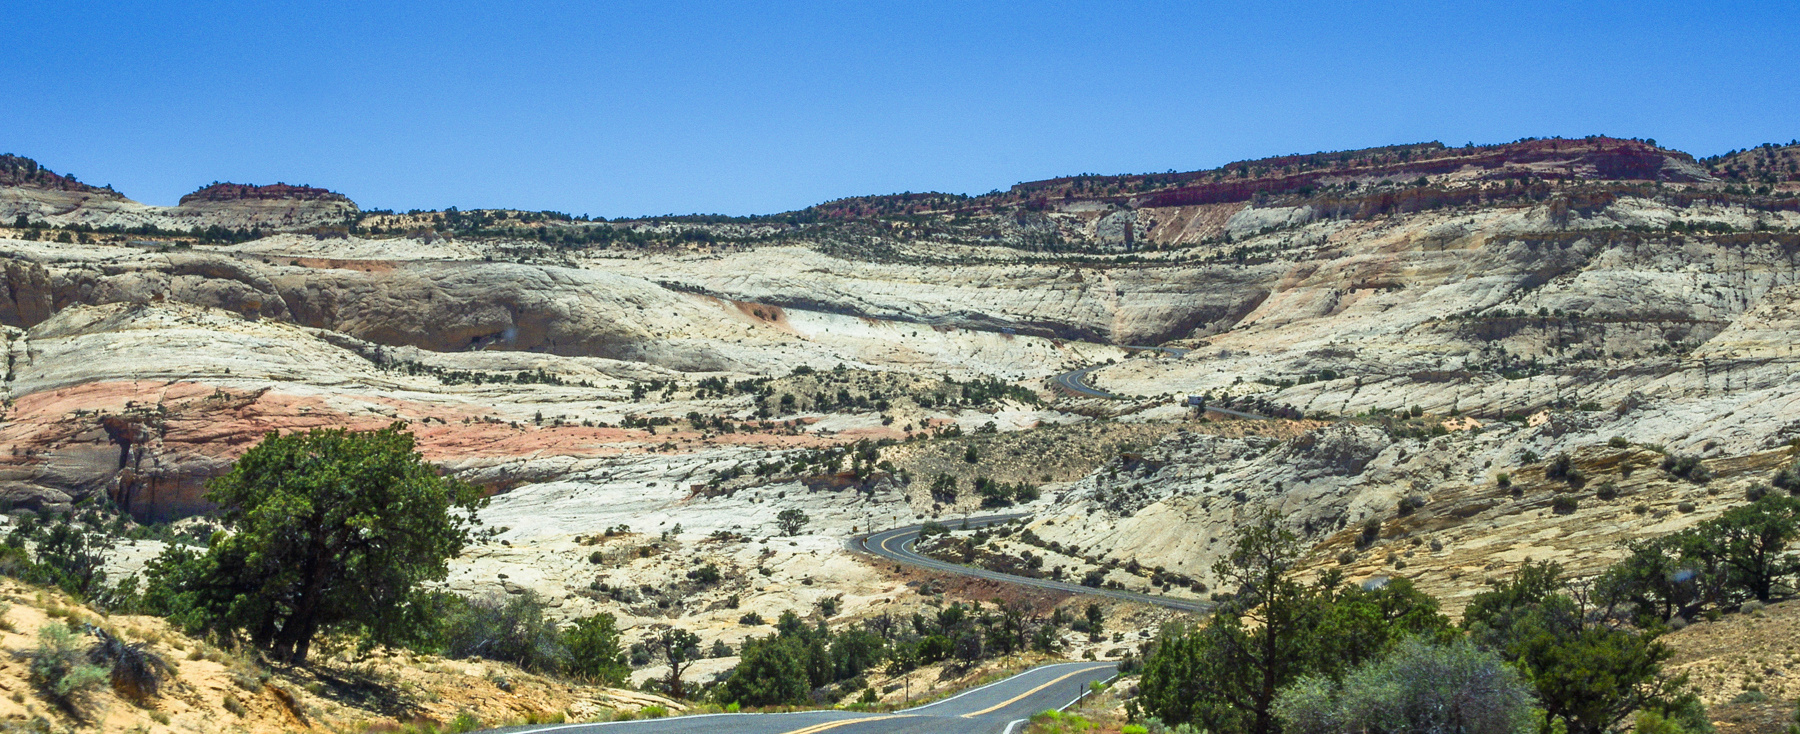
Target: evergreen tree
[(335, 530)]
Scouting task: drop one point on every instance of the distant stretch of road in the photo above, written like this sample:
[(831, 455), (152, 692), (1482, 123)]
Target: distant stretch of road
[(897, 545), (1075, 381), (996, 708)]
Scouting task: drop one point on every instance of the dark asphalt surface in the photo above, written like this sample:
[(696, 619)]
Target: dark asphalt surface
[(897, 545), (997, 708), (1075, 381)]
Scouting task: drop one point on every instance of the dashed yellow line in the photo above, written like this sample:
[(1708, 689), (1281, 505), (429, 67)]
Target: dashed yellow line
[(1016, 699), (846, 722)]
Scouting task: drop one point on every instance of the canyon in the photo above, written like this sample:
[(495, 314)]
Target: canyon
[(1416, 321)]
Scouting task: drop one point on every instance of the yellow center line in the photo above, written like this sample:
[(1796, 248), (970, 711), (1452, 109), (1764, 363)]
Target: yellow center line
[(1016, 699), (846, 722)]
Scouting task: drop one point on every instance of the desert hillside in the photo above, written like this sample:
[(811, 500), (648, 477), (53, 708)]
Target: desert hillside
[(1427, 340)]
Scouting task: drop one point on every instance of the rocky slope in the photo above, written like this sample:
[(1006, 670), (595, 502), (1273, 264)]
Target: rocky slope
[(1424, 318)]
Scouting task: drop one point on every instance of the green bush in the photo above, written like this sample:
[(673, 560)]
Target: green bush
[(1686, 466), (1788, 478), (60, 666), (1419, 687), (594, 651), (512, 630), (1563, 467), (1279, 629), (772, 671)]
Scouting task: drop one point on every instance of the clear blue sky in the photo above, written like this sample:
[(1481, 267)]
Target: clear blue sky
[(629, 108)]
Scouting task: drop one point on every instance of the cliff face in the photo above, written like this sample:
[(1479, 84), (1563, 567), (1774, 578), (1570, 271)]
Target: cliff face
[(1506, 280)]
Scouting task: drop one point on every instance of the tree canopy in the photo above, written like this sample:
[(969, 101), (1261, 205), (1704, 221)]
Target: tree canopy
[(1226, 675), (328, 530)]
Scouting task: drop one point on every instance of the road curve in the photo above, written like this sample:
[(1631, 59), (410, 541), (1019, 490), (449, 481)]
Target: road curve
[(1075, 381), (897, 545), (996, 708)]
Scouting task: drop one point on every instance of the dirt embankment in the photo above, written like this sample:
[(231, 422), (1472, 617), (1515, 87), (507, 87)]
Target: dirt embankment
[(215, 689)]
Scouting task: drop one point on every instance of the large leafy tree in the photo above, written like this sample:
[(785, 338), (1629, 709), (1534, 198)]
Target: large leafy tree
[(1226, 675), (1589, 674), (1751, 540), (329, 530), (1732, 558)]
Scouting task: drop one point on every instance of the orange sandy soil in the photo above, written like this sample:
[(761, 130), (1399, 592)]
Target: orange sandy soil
[(221, 423), (217, 690)]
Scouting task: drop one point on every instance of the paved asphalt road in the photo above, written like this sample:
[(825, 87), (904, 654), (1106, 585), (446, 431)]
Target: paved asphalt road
[(897, 545), (1075, 381), (997, 708)]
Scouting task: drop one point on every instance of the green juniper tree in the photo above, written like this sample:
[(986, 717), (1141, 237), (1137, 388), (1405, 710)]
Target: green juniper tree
[(332, 530)]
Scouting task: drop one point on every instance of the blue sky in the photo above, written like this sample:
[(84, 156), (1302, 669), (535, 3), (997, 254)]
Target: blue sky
[(628, 108)]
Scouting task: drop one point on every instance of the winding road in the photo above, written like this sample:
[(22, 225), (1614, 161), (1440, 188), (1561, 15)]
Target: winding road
[(897, 545), (1075, 381), (997, 708)]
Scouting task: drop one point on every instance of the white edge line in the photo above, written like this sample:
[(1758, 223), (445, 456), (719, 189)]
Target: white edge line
[(1078, 696), (1016, 722), (696, 716), (827, 711), (1020, 674)]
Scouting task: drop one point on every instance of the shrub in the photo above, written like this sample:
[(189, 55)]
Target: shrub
[(69, 558), (1409, 504), (706, 575), (1618, 442), (1681, 465), (1503, 479), (1756, 492), (1371, 532), (1419, 687), (772, 671), (1563, 504), (753, 619), (1607, 492), (594, 651), (1651, 722), (1788, 478), (596, 557), (60, 666), (1685, 507), (136, 672), (1563, 467), (512, 630)]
